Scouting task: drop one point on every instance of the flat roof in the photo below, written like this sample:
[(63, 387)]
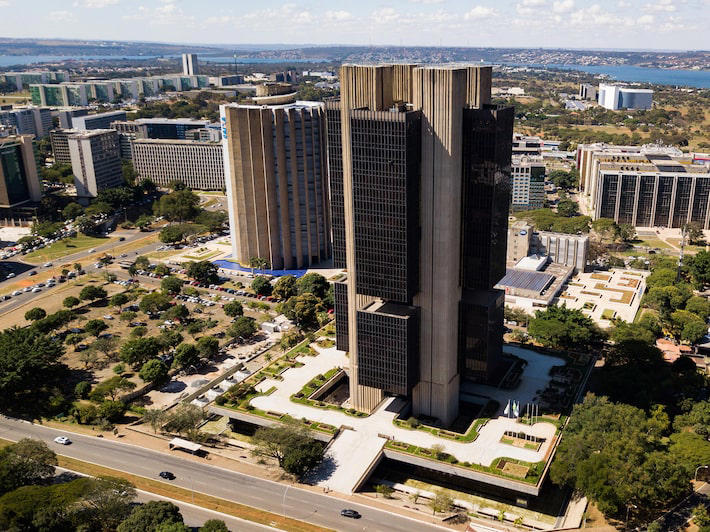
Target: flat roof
[(525, 280), (184, 444)]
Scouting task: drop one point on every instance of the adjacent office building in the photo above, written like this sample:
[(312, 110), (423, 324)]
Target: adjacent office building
[(615, 97), (200, 165), (419, 165), (60, 144), (528, 183), (646, 186), (587, 91), (275, 176), (35, 121), (19, 180), (97, 121), (96, 161), (190, 66), (161, 128), (22, 80), (65, 116)]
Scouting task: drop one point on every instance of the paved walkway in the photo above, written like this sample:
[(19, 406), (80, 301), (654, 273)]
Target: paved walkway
[(483, 450), (340, 471)]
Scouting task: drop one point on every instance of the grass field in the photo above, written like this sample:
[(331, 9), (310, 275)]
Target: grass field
[(181, 494), (65, 247)]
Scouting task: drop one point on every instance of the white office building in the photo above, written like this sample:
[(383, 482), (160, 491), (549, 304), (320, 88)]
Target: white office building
[(615, 97), (95, 160), (190, 66)]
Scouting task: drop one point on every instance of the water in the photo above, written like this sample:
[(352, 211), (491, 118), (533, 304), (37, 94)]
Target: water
[(7, 60), (657, 76), (255, 60)]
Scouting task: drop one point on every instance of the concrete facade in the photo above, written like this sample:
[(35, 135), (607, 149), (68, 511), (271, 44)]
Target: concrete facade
[(35, 121), (96, 161), (97, 121), (528, 183), (275, 177), (199, 165), (190, 67)]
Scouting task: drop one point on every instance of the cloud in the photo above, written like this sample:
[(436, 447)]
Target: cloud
[(384, 15), (426, 1), (563, 6), (95, 3), (338, 16), (4, 3), (61, 16), (533, 3), (479, 12), (666, 6)]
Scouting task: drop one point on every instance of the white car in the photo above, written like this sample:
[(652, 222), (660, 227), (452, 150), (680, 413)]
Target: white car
[(10, 275), (37, 289), (92, 250), (62, 440), (17, 292), (108, 317), (47, 264)]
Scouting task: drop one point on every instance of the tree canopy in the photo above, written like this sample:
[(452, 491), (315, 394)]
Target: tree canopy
[(203, 271), (564, 328), (295, 451)]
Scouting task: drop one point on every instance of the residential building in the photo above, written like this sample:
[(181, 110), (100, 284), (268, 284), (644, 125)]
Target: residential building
[(200, 165), (96, 161), (97, 121), (275, 176), (19, 180), (22, 80), (60, 144), (35, 121), (190, 67), (415, 153), (615, 97), (587, 91), (528, 183)]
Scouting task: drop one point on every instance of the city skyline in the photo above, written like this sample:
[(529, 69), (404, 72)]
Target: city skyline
[(674, 24)]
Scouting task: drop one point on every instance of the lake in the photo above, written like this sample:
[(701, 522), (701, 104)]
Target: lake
[(657, 76)]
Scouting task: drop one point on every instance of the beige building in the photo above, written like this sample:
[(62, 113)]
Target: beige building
[(95, 161), (199, 165), (275, 176)]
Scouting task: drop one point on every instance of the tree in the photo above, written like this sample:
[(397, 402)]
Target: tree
[(564, 180), (186, 355), (129, 315), (161, 269), (696, 419), (95, 327), (111, 388), (26, 462), (35, 314), (258, 263), (208, 347), (112, 410), (212, 220), (154, 303), (107, 502), (71, 301), (303, 310), (72, 210), (384, 490), (82, 389), (184, 419), (699, 268), (28, 360), (143, 222), (171, 234), (623, 332), (694, 231), (564, 328), (568, 208), (176, 312), (442, 502), (91, 293), (169, 339), (700, 306), (118, 299), (88, 357), (214, 525), (203, 271), (35, 507), (149, 517), (154, 371), (285, 287), (154, 417), (290, 338), (233, 309), (243, 327), (261, 286), (171, 285), (701, 517), (290, 445), (86, 225), (179, 206), (137, 352), (141, 262), (313, 283)]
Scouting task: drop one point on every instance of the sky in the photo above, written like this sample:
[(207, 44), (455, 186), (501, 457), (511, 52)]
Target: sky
[(608, 24)]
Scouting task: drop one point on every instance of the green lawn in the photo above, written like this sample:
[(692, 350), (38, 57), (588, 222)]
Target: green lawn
[(65, 247)]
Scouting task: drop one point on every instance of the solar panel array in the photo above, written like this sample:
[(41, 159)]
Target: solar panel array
[(526, 280)]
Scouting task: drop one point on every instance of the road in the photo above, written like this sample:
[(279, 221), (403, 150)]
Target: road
[(278, 498), (25, 297)]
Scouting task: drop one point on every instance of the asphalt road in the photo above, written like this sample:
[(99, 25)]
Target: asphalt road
[(278, 498), (25, 297)]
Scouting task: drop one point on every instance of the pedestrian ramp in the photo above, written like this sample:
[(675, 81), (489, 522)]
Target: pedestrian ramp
[(349, 461)]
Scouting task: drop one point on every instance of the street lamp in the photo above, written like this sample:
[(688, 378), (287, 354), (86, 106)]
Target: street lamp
[(695, 478)]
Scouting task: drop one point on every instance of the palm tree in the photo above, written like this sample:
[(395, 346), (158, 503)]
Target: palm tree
[(259, 263)]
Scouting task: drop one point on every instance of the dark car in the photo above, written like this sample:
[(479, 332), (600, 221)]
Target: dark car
[(352, 514), (167, 475), (33, 272)]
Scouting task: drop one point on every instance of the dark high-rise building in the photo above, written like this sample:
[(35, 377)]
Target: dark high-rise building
[(419, 166)]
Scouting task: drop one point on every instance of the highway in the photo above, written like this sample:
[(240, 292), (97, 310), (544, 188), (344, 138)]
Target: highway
[(278, 498)]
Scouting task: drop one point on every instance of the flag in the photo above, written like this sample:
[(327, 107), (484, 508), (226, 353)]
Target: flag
[(507, 408), (516, 409)]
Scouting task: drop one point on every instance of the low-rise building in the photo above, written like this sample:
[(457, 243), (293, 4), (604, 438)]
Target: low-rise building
[(615, 97)]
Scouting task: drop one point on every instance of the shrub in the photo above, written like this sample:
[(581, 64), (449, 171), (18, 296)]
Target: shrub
[(82, 389)]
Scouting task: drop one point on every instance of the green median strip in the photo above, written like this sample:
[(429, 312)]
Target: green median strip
[(217, 504)]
